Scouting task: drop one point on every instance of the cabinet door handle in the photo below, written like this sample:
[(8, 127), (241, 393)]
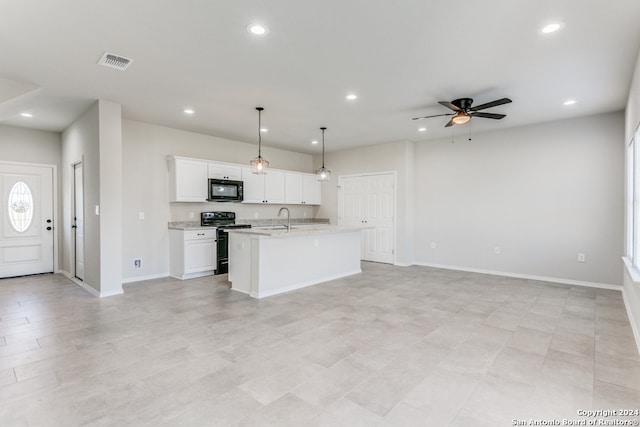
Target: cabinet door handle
[(200, 234)]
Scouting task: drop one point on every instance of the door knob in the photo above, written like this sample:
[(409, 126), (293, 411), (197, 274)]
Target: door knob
[(48, 221), (48, 228)]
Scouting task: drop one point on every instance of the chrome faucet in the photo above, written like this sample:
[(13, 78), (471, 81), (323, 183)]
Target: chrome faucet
[(288, 217)]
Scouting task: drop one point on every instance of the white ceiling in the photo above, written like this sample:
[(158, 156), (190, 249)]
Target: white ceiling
[(399, 57)]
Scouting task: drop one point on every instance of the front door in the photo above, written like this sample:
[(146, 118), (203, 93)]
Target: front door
[(26, 219)]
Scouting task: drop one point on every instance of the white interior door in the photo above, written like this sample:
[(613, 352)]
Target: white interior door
[(369, 201), (78, 223), (26, 218), (379, 214)]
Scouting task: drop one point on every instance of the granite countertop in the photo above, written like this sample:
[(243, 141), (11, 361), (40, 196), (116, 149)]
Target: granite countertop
[(303, 230), (274, 222)]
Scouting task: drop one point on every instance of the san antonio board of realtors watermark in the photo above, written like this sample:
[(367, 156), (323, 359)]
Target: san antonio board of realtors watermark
[(588, 418)]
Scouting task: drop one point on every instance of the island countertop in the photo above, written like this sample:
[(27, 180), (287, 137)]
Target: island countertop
[(295, 231)]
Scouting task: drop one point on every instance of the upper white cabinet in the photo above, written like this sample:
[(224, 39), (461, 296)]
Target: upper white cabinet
[(263, 188), (301, 188), (219, 170), (311, 190), (187, 179), (188, 182)]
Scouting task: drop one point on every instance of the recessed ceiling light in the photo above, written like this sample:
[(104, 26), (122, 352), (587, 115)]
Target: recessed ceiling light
[(257, 29), (315, 141), (351, 97), (422, 130), (28, 115), (569, 102), (552, 27), (264, 130), (188, 111)]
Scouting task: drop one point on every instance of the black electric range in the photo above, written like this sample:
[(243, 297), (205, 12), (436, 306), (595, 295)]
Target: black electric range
[(223, 221)]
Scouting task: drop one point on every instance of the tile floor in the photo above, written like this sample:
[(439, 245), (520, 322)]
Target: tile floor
[(392, 346)]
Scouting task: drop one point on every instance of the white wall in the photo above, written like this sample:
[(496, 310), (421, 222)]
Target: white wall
[(541, 193), (632, 121), (110, 137), (29, 145), (390, 157), (34, 146), (95, 140), (145, 189), (80, 143)]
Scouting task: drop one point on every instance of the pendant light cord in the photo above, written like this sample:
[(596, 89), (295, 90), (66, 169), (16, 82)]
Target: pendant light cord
[(323, 129), (259, 132)]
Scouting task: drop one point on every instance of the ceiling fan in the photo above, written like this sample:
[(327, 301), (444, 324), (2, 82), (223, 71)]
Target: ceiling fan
[(464, 111)]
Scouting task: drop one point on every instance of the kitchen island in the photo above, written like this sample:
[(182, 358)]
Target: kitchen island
[(265, 262)]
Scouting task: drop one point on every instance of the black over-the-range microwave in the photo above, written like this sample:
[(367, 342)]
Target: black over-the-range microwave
[(224, 190)]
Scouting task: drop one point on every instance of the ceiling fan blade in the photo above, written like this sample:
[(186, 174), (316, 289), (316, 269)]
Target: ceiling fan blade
[(488, 115), (449, 105), (450, 123), (428, 117), (490, 104)]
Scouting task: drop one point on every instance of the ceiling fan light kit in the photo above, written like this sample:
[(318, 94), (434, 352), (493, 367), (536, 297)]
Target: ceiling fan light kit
[(460, 118), (463, 111)]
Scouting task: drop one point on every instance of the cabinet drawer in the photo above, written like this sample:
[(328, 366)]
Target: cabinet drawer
[(209, 233)]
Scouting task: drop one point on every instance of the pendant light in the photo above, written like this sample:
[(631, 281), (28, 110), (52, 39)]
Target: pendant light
[(258, 164), (323, 173)]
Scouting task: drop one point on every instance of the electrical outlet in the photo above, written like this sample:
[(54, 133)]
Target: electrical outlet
[(497, 250), (255, 215), (191, 215), (581, 257), (140, 215), (137, 263), (433, 245)]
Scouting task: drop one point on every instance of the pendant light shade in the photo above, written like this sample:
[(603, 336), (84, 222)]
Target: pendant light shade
[(258, 164), (323, 173)]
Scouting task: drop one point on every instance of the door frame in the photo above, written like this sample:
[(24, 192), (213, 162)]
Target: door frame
[(395, 203), (72, 212), (56, 213)]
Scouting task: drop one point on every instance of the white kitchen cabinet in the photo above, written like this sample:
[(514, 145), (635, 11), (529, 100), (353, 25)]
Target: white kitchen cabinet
[(311, 190), (301, 188), (192, 253), (263, 188), (187, 179), (220, 170)]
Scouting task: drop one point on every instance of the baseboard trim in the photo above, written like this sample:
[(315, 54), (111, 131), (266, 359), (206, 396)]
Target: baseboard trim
[(111, 293), (634, 328), (403, 264), (143, 278), (302, 285), (89, 289), (525, 276)]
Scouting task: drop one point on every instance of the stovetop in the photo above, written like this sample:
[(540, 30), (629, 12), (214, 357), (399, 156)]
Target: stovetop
[(222, 220)]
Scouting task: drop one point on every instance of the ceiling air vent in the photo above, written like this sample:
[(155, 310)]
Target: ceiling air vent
[(115, 61)]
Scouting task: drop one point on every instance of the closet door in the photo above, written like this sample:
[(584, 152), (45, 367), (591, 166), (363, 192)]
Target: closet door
[(369, 201)]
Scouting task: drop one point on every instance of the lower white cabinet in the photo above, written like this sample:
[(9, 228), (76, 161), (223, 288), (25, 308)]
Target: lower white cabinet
[(192, 253)]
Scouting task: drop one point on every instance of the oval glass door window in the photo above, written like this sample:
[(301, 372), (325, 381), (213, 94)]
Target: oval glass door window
[(20, 206)]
